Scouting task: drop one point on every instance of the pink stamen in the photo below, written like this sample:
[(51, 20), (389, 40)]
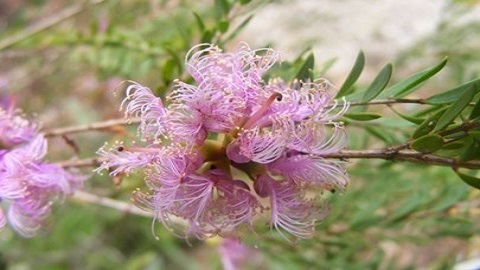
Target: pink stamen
[(261, 111)]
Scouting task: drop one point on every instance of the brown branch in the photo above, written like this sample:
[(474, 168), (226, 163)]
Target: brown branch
[(404, 155), (89, 127), (121, 206), (392, 154), (81, 163), (108, 202), (465, 127)]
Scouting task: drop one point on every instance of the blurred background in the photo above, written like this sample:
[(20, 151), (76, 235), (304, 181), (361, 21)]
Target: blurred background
[(63, 61)]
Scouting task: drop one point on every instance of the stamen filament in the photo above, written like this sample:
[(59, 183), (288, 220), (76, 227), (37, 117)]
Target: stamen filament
[(254, 118)]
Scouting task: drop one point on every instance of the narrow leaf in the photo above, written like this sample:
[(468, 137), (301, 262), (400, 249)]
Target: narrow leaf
[(380, 135), (200, 24), (407, 207), (456, 108), (428, 125), (476, 109), (453, 94), (167, 70), (222, 7), (406, 86), (453, 145), (353, 76), (451, 195), (475, 134), (223, 25), (325, 67), (427, 144), (379, 83), (305, 72), (207, 36), (472, 151), (470, 180), (411, 119), (367, 116)]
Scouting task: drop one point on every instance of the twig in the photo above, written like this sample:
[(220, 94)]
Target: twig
[(88, 162), (404, 155), (391, 153), (108, 202), (90, 127), (46, 24), (465, 127)]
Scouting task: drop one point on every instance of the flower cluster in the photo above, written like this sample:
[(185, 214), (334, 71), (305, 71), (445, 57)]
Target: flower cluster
[(28, 186), (231, 146)]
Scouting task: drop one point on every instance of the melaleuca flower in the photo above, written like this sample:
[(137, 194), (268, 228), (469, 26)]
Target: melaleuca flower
[(14, 128), (216, 148), (236, 255), (28, 186)]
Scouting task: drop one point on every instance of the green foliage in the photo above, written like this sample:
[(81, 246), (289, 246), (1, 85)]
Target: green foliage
[(454, 110), (404, 208), (470, 180), (428, 124), (390, 205), (409, 84), (353, 76), (305, 73), (454, 94), (367, 116), (378, 84), (428, 143)]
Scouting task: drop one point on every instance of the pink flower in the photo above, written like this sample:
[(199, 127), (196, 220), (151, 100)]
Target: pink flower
[(236, 255), (290, 210), (14, 128), (28, 186), (230, 131)]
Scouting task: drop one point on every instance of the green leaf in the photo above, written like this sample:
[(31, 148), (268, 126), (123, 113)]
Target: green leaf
[(207, 36), (406, 86), (411, 119), (456, 108), (476, 109), (428, 125), (453, 145), (475, 134), (427, 144), (470, 180), (451, 195), (167, 70), (472, 151), (200, 24), (379, 83), (223, 25), (325, 67), (353, 76), (222, 7), (366, 116), (407, 207), (453, 94), (305, 72), (380, 135), (244, 2)]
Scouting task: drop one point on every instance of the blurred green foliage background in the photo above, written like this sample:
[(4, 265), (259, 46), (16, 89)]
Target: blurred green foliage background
[(393, 216)]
